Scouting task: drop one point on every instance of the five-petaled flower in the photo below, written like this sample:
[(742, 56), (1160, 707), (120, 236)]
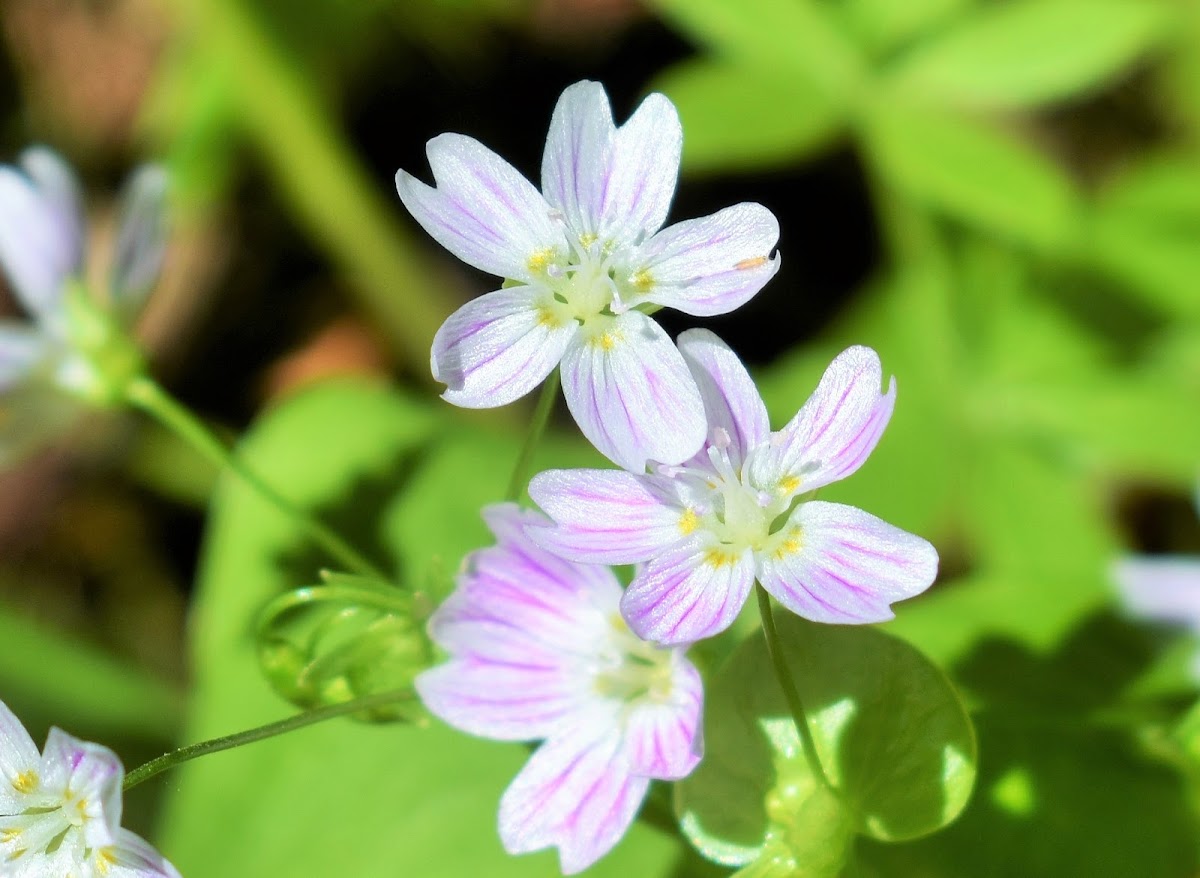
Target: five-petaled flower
[(538, 651), (737, 512), (584, 260), (60, 811), (70, 353)]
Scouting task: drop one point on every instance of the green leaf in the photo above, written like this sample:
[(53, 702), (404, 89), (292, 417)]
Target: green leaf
[(973, 172), (737, 117), (883, 25), (891, 733), (1025, 53)]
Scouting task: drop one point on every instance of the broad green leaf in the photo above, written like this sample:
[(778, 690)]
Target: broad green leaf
[(736, 116), (884, 25), (1028, 52), (891, 733), (341, 798), (973, 172)]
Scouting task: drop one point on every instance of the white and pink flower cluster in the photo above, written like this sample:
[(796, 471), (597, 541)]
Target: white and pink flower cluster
[(543, 643)]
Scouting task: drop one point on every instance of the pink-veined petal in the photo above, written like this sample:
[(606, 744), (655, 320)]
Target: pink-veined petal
[(689, 593), (664, 739), (710, 265), (93, 774), (141, 240), (841, 565), (643, 172), (605, 516), (1165, 589), (731, 399), (575, 793), (632, 394), (497, 348), (482, 210), (836, 430), (133, 857), (39, 238), (577, 153)]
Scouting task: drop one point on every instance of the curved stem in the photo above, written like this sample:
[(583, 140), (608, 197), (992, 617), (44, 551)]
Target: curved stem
[(228, 742), (144, 393), (790, 694), (537, 427)]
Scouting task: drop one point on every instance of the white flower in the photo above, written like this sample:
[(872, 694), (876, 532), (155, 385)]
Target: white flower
[(584, 261), (60, 811)]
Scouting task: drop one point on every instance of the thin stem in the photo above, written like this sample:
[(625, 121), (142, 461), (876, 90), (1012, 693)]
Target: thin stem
[(537, 427), (790, 694), (147, 395), (270, 730)]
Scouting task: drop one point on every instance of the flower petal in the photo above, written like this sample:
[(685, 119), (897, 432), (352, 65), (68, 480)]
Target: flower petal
[(642, 172), (133, 857), (664, 740), (709, 265), (18, 755), (632, 395), (836, 430), (691, 592), (483, 211), (731, 399), (575, 793), (141, 240), (497, 348), (845, 566), (1164, 589), (93, 774), (605, 516), (40, 230), (577, 153)]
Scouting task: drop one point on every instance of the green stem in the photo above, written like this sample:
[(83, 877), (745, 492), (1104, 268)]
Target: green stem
[(270, 730), (144, 393), (790, 694), (537, 427)]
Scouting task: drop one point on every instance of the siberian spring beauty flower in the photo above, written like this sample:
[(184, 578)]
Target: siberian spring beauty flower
[(741, 509), (584, 261), (53, 363), (60, 811), (538, 651)]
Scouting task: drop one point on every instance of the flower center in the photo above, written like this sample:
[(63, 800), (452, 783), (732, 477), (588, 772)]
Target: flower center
[(587, 284), (631, 668)]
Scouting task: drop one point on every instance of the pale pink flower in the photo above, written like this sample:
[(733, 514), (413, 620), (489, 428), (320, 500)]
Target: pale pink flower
[(741, 510)]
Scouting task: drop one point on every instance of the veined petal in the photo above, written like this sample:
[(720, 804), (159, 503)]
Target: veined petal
[(691, 592), (1165, 589), (605, 516), (575, 793), (577, 153), (483, 211), (133, 857), (18, 758), (93, 774), (731, 399), (642, 173), (664, 740), (39, 238), (836, 430), (141, 240), (632, 395), (709, 265), (841, 565), (497, 348)]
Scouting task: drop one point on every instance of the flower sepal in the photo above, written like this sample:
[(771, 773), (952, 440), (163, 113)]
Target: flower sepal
[(102, 359), (349, 637)]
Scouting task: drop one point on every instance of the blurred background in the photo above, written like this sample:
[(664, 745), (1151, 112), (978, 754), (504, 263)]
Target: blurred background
[(1001, 196)]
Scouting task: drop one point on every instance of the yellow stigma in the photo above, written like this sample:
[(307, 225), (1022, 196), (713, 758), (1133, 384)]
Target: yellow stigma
[(789, 544), (25, 782), (538, 261), (642, 280), (718, 558), (688, 522), (747, 264), (788, 484), (105, 860), (587, 239)]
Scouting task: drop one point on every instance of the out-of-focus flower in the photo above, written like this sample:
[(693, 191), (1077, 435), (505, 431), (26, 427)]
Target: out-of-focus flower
[(538, 651), (73, 350), (583, 262), (737, 511), (60, 811), (1163, 589)]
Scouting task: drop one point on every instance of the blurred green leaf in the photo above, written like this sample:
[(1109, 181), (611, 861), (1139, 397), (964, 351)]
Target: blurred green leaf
[(1028, 52), (737, 117), (890, 730), (884, 25), (972, 171)]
